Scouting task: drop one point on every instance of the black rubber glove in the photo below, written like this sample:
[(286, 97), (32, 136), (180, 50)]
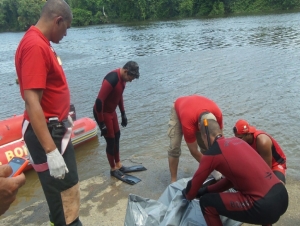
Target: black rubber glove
[(201, 192), (124, 119), (103, 128), (184, 193)]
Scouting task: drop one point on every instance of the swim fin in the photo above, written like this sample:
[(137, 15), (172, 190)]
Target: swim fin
[(128, 169), (125, 177)]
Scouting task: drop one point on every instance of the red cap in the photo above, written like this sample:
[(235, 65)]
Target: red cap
[(242, 127)]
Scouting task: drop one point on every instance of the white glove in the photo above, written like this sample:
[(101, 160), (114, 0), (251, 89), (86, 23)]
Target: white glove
[(216, 174), (56, 164)]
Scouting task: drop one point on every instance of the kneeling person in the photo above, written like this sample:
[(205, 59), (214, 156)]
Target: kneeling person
[(260, 198), (265, 145)]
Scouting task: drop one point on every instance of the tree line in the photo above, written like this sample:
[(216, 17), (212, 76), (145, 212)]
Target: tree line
[(18, 15)]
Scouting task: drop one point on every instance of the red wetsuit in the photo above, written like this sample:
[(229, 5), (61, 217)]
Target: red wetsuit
[(260, 198), (189, 108), (110, 96), (278, 156)]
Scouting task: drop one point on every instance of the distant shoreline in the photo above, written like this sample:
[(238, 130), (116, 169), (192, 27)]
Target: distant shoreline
[(116, 21)]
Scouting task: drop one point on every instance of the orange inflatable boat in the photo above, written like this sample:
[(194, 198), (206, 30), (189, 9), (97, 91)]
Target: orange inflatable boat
[(12, 143)]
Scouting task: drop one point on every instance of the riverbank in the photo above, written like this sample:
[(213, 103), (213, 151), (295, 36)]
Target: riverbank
[(104, 199)]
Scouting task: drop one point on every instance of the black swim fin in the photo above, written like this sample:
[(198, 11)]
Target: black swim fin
[(125, 177), (128, 169)]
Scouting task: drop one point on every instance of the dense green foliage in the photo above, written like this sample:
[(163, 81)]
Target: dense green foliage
[(20, 14)]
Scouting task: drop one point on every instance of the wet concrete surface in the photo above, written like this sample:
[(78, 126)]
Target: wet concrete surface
[(104, 198)]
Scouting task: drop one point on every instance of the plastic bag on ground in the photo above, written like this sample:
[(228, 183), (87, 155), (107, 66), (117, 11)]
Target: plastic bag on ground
[(169, 210)]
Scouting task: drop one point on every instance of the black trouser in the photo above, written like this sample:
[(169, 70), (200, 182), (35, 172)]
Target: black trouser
[(53, 187), (243, 208)]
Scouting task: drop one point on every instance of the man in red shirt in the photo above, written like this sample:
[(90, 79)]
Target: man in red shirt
[(109, 97), (47, 127), (185, 115), (260, 198), (265, 145)]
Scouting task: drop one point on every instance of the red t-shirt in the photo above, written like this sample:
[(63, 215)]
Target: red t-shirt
[(38, 67), (189, 108)]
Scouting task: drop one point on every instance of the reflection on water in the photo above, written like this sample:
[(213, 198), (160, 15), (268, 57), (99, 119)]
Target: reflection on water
[(248, 65)]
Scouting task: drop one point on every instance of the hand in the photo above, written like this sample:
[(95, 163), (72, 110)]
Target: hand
[(216, 174), (124, 119), (8, 187), (103, 129), (56, 164), (184, 193), (201, 192)]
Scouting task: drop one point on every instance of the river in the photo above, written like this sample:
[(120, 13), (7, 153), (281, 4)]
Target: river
[(249, 65)]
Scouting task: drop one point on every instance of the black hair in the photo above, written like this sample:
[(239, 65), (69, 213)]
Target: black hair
[(133, 69), (213, 127)]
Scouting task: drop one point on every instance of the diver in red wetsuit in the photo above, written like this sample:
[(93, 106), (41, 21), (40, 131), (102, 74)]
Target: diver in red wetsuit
[(261, 198), (110, 96), (265, 145)]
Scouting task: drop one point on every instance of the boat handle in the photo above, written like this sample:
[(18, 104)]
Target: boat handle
[(78, 131)]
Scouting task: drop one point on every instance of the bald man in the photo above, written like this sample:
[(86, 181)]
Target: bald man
[(47, 125)]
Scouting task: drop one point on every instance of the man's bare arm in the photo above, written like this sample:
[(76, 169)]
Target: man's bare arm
[(264, 148), (193, 147)]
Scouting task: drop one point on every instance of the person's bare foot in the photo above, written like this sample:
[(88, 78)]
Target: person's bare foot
[(118, 165)]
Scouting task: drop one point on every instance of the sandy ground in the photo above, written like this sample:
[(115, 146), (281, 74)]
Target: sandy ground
[(104, 199)]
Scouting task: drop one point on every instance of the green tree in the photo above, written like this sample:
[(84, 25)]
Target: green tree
[(29, 12), (81, 17), (186, 8), (10, 13), (205, 7), (168, 8), (3, 23), (20, 14), (217, 9)]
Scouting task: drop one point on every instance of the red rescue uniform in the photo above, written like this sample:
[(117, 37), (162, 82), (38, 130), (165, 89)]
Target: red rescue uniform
[(38, 67), (109, 97), (188, 110), (278, 156), (260, 198)]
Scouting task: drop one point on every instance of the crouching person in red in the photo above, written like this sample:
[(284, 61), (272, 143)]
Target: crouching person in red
[(265, 145), (261, 198)]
